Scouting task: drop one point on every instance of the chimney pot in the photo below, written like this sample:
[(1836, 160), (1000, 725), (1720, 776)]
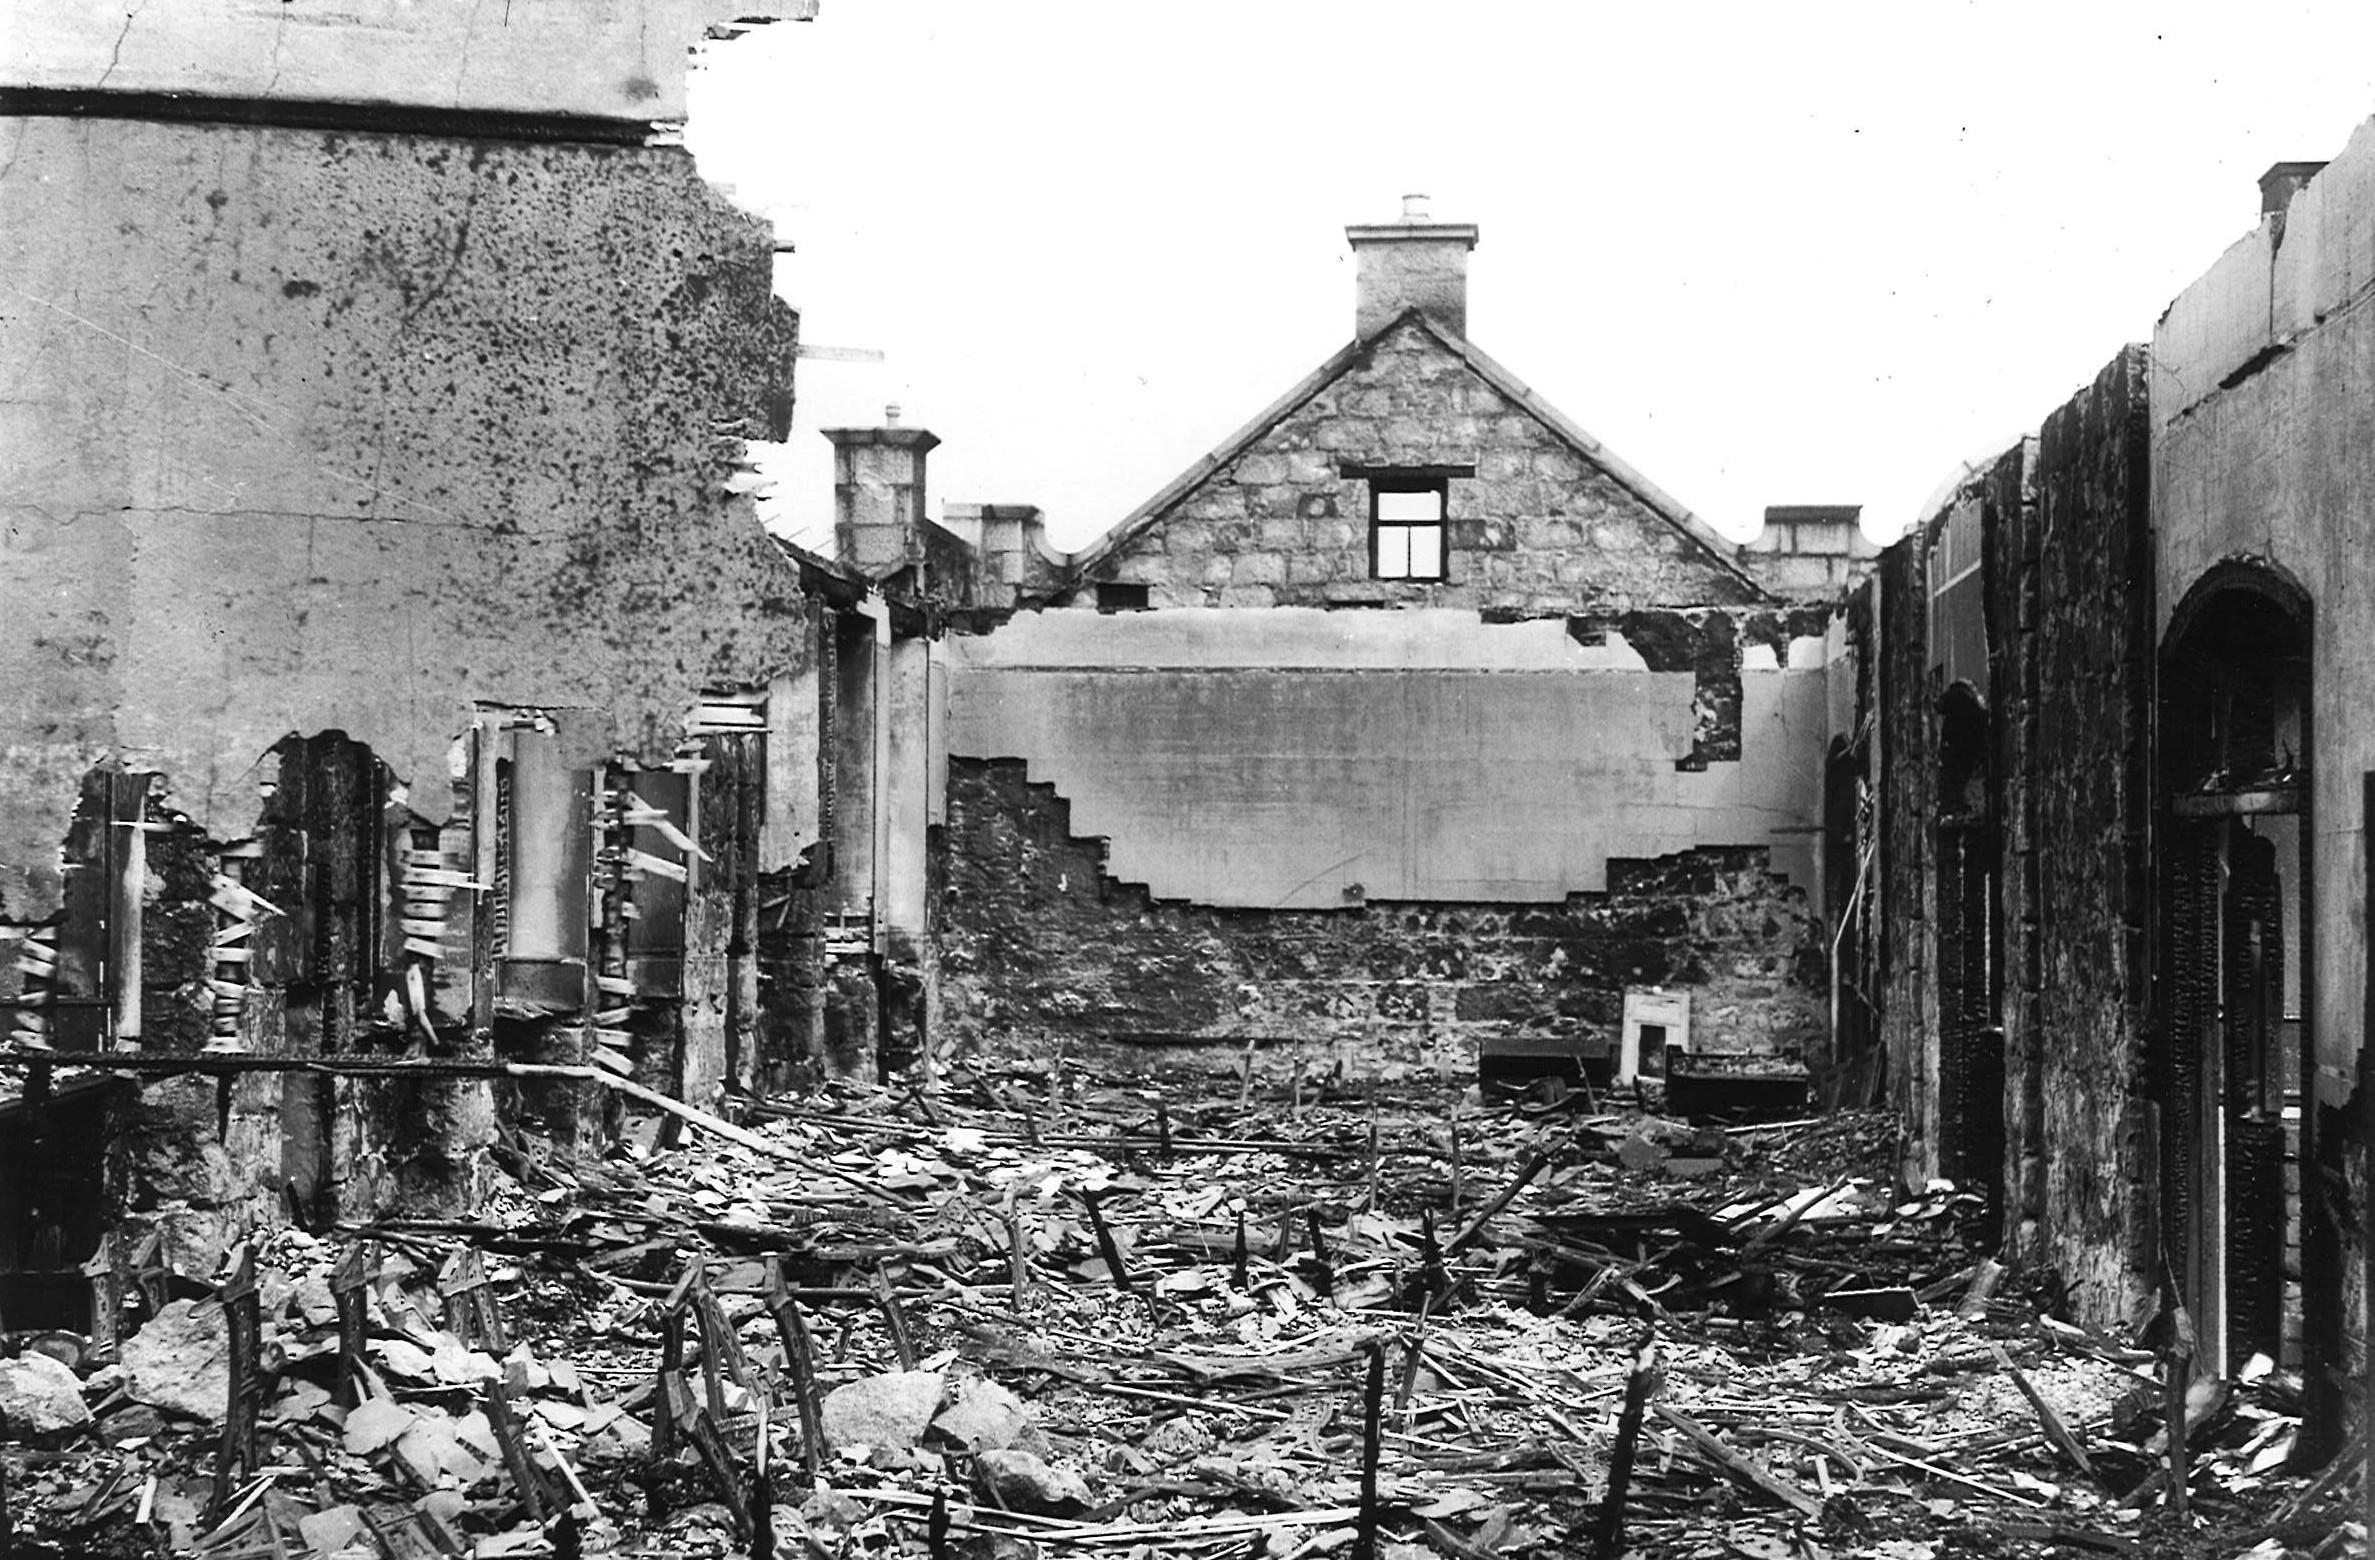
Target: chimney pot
[(890, 415), (1414, 208)]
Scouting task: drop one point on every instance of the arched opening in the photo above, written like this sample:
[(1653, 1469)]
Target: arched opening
[(1970, 955), (2234, 759)]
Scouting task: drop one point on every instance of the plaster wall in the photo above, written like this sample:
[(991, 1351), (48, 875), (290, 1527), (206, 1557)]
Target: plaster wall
[(1231, 764), (2280, 465), (2263, 447), (907, 786), (311, 430)]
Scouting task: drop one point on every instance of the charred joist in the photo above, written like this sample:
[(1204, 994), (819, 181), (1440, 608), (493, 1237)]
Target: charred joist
[(350, 1285), (1608, 1536), (243, 1322), (800, 1362), (1372, 1424)]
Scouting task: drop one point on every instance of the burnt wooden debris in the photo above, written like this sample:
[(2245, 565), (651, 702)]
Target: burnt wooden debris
[(1066, 1311)]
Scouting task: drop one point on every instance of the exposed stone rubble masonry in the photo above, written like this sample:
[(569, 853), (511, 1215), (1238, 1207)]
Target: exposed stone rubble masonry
[(1039, 945)]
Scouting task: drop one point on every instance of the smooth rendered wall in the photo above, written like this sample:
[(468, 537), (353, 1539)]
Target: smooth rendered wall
[(1283, 761)]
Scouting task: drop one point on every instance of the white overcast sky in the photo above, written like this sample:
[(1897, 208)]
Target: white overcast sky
[(1809, 253)]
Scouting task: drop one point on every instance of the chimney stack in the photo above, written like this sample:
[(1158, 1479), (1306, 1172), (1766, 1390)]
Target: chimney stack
[(1416, 263), (1011, 541), (1810, 550), (878, 494)]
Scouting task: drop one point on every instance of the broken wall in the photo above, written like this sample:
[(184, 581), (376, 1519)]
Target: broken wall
[(1905, 735), (324, 431), (362, 432), (1595, 706), (1298, 759), (1522, 817), (2263, 452), (2072, 588), (2016, 988), (1041, 945)]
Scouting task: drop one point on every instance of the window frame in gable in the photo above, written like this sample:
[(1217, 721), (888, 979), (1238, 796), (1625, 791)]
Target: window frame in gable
[(1433, 478), (1404, 531)]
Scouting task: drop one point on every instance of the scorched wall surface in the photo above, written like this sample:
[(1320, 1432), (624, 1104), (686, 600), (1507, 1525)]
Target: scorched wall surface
[(315, 431)]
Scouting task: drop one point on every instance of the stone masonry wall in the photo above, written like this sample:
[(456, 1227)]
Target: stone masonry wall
[(2013, 589), (1040, 946), (1539, 530), (1906, 720), (2067, 709), (2088, 655)]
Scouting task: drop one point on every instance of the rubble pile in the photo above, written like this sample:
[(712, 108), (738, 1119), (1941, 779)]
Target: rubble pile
[(1017, 1314)]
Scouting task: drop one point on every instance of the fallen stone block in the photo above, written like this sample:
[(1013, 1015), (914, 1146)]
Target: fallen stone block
[(376, 1422), (39, 1396), (181, 1361), (1023, 1482), (332, 1530), (894, 1409), (986, 1417)]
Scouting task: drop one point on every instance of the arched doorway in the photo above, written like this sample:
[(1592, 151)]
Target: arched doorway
[(2234, 958), (1970, 955)]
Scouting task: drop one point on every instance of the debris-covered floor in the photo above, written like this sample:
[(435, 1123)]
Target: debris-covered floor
[(1039, 1311)]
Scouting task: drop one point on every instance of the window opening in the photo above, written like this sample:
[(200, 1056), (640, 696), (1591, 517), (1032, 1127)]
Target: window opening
[(1406, 528)]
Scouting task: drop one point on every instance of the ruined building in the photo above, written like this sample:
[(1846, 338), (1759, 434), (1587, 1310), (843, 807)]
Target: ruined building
[(392, 670), (397, 678), (1410, 722), (2114, 945)]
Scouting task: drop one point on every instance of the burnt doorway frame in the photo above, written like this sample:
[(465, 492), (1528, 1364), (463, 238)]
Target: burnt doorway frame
[(1969, 847), (2235, 817)]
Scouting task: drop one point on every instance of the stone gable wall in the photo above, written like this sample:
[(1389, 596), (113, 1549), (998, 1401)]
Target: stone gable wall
[(1539, 530)]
